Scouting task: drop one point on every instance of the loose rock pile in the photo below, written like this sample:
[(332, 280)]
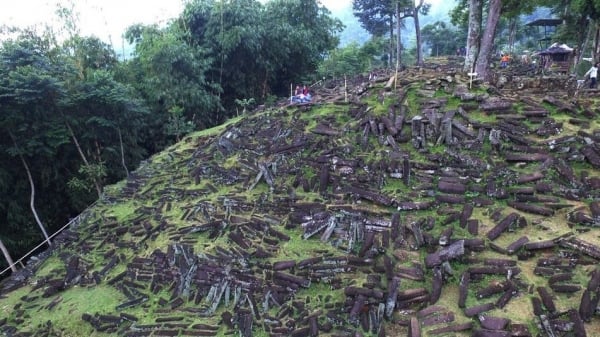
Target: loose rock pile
[(404, 197)]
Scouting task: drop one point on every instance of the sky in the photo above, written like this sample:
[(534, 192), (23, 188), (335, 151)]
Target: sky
[(106, 19)]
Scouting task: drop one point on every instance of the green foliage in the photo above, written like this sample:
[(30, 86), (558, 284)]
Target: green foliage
[(442, 38), (89, 174), (274, 44), (169, 72), (349, 60), (177, 125), (375, 16), (245, 103)]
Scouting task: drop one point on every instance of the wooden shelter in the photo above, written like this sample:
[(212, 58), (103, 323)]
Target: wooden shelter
[(556, 58), (549, 26)]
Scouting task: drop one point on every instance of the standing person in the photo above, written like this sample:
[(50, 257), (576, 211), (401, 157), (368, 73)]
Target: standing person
[(593, 72), (504, 61)]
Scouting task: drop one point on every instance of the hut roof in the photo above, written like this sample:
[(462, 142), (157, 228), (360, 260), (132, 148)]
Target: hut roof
[(556, 48), (545, 22)]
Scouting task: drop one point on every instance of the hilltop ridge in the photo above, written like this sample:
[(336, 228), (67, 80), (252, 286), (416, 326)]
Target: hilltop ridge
[(413, 209)]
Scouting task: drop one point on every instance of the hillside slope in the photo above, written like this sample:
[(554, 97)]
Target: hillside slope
[(418, 210)]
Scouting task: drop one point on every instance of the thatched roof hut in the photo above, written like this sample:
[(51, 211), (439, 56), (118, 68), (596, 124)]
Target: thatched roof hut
[(557, 57)]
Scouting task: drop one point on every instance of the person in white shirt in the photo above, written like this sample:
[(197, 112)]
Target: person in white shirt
[(593, 72)]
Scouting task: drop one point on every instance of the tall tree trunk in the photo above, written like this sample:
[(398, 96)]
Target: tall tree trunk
[(398, 37), (473, 34), (122, 152), (487, 42), (584, 45), (418, 31), (6, 254), (596, 49), (391, 58), (32, 196), (85, 161), (512, 32)]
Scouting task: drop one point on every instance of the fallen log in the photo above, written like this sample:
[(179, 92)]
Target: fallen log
[(586, 310), (592, 155), (414, 328), (494, 288), (450, 199), (502, 226), (581, 246), (531, 208), (305, 283), (450, 252), (519, 330), (436, 285), (478, 309), (473, 226), (452, 328), (413, 205), (430, 310), (366, 292), (412, 273), (439, 318), (565, 288), (463, 289), (388, 86), (578, 327), (392, 297), (525, 157), (581, 218), (451, 188), (546, 298), (545, 244), (490, 333), (411, 293), (370, 195), (510, 292), (517, 244), (547, 326), (493, 323)]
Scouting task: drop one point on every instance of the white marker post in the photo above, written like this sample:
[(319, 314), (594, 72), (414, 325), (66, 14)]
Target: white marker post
[(471, 75)]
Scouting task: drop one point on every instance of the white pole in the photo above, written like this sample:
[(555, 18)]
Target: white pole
[(345, 89)]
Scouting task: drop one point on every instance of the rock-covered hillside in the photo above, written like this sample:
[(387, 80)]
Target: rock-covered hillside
[(423, 209)]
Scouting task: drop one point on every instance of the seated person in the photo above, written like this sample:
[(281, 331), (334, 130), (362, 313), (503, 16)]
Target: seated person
[(302, 95)]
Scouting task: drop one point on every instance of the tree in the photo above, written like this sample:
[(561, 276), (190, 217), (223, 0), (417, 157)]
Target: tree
[(377, 17), (7, 257), (424, 9), (285, 38), (473, 34), (577, 14), (349, 60), (96, 111), (441, 38), (487, 41), (16, 151), (29, 91), (168, 71)]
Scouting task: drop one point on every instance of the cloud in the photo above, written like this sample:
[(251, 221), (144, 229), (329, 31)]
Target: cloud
[(106, 19)]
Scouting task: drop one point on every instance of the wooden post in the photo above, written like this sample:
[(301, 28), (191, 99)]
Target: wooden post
[(291, 92), (471, 75), (345, 89)]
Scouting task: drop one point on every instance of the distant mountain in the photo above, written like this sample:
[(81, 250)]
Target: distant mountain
[(355, 33)]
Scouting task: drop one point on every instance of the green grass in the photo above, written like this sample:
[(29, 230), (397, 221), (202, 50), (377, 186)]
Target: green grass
[(99, 299)]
